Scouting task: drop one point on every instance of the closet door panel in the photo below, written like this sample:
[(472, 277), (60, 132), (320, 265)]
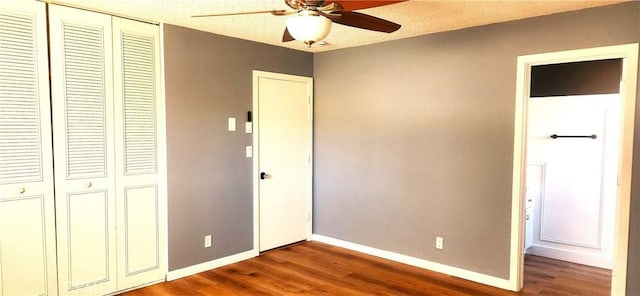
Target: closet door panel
[(139, 156), (82, 99), (27, 226), (23, 248), (141, 230), (87, 237)]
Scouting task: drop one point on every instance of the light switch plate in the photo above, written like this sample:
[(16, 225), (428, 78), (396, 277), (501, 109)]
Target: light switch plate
[(439, 242), (249, 151), (232, 124), (248, 127)]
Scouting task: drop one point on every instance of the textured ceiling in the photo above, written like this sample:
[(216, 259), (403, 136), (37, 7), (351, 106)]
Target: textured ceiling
[(416, 17)]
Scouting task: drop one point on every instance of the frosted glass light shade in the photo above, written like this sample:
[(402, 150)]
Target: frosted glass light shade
[(308, 28)]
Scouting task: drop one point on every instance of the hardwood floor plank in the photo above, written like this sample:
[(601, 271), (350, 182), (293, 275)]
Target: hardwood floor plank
[(313, 268), (225, 278), (335, 283), (270, 278)]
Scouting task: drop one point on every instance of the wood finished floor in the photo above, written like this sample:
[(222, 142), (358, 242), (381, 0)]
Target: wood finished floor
[(314, 268)]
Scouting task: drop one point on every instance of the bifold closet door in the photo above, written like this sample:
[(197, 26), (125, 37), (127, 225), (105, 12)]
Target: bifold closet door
[(27, 226), (140, 199), (82, 99)]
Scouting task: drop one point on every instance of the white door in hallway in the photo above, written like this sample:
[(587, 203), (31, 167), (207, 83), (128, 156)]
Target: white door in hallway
[(283, 139), (573, 140)]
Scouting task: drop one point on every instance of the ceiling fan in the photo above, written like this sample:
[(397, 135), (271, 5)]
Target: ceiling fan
[(312, 19)]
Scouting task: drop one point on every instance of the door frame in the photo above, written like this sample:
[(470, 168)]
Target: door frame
[(629, 55), (256, 150)]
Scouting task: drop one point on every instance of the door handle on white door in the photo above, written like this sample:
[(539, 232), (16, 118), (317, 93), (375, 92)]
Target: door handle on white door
[(22, 190), (264, 175), (89, 184)]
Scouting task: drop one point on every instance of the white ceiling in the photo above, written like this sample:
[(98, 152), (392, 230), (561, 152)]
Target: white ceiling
[(416, 17)]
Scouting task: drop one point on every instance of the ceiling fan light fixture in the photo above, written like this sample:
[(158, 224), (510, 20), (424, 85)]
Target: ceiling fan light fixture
[(308, 27)]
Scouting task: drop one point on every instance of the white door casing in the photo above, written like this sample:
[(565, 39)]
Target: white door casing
[(140, 196), (83, 137), (574, 182), (283, 145), (535, 175), (27, 226), (629, 54)]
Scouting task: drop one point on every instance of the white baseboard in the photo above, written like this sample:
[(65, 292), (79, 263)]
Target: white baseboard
[(198, 268), (571, 256), (433, 266)]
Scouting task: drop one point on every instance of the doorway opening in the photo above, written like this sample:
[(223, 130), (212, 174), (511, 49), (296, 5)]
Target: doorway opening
[(629, 56), (573, 127)]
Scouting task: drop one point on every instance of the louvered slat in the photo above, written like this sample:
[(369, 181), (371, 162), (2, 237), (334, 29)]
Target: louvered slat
[(139, 105), (85, 102), (20, 147)]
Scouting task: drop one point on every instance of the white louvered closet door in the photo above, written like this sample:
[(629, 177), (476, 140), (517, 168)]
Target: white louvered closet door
[(82, 99), (140, 200), (27, 226)]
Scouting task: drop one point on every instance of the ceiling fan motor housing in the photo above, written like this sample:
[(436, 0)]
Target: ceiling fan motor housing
[(304, 4)]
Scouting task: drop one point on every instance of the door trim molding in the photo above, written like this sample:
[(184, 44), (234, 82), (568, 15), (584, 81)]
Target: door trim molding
[(629, 54), (256, 152)]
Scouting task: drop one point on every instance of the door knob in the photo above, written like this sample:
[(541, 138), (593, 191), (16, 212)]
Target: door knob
[(22, 190), (264, 175)]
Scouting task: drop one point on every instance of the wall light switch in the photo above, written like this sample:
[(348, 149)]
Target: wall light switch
[(232, 124), (249, 151), (208, 241), (439, 242), (248, 127)]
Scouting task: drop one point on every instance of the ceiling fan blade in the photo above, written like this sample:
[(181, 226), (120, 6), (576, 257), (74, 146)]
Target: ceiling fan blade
[(365, 21), (286, 37), (349, 5), (274, 12)]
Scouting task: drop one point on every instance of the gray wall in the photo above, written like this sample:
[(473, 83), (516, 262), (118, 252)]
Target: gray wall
[(209, 78), (414, 138)]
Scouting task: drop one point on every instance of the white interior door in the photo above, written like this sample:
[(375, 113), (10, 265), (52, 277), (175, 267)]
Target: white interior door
[(27, 226), (82, 103), (574, 181), (283, 112), (140, 196)]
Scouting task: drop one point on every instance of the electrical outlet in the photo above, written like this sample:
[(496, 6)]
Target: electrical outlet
[(439, 243), (208, 241)]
